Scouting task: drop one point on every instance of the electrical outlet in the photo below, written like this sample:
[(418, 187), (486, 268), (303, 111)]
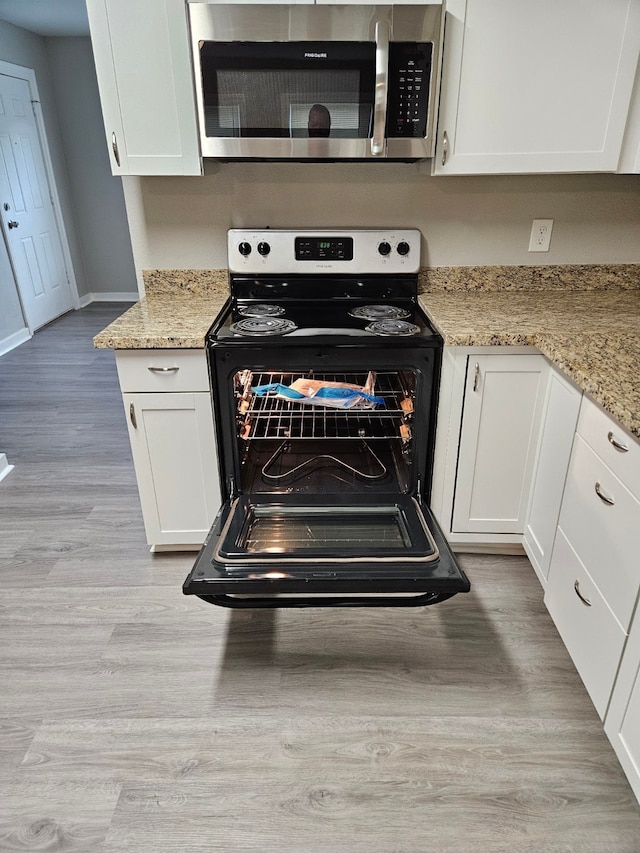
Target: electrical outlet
[(540, 235)]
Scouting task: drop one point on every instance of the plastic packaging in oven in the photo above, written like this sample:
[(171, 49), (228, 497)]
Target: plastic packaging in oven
[(339, 395)]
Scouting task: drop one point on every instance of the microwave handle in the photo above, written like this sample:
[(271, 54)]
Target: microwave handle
[(382, 87)]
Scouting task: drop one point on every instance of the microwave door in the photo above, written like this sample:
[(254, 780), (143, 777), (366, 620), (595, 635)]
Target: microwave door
[(293, 99), (292, 553)]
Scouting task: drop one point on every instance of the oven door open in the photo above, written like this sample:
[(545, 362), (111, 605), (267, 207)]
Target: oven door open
[(323, 551), (325, 468)]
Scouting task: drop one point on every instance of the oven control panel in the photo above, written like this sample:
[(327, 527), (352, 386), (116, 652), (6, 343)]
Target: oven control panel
[(358, 251)]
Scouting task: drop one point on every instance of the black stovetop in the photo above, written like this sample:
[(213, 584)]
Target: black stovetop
[(322, 311)]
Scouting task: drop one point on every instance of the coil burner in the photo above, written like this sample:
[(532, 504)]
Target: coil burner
[(393, 328), (261, 309), (379, 312), (263, 326)]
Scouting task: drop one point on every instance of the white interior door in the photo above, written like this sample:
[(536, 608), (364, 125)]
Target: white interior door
[(27, 211)]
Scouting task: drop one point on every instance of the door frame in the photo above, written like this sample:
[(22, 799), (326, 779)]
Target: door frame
[(21, 72)]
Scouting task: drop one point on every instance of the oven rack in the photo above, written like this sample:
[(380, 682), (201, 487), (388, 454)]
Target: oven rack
[(273, 417)]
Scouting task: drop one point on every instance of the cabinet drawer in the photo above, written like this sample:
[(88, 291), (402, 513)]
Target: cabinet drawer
[(155, 370), (603, 434), (591, 633), (606, 537)]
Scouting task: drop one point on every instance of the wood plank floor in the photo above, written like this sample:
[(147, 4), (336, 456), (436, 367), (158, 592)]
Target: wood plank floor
[(135, 719)]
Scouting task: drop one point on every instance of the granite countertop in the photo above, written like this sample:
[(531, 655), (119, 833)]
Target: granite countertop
[(176, 313), (585, 320), (593, 337)]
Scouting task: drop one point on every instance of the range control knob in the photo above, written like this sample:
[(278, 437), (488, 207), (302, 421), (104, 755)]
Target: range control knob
[(264, 249), (244, 249), (384, 248), (403, 248)]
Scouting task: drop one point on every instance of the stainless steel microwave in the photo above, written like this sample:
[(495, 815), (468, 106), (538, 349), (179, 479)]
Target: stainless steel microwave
[(316, 82)]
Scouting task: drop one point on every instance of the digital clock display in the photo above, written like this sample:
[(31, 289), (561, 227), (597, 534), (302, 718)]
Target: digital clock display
[(324, 248)]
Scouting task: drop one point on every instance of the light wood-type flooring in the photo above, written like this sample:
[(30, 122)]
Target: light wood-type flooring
[(133, 718)]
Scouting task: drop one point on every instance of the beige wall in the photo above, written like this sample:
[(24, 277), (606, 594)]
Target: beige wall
[(181, 222), (97, 197)]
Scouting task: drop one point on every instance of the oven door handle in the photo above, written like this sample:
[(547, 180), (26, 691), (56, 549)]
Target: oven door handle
[(276, 602), (382, 88)]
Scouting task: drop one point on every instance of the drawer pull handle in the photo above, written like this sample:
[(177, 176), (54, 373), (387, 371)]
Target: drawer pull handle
[(476, 377), (132, 416), (618, 446), (584, 600), (604, 498), (163, 369)]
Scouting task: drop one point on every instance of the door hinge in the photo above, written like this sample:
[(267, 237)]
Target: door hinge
[(232, 487), (419, 490)]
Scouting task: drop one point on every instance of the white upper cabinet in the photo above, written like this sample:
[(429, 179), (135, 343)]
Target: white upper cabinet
[(143, 65), (630, 156), (536, 87)]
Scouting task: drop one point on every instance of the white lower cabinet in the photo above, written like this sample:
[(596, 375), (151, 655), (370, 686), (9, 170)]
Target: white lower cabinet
[(490, 406), (622, 723), (522, 457), (594, 577), (173, 443), (589, 630), (498, 440), (560, 415)]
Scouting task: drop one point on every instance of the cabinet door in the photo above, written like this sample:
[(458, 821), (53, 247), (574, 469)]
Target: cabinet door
[(174, 454), (561, 409), (143, 65), (536, 87), (500, 423), (630, 155), (622, 723)]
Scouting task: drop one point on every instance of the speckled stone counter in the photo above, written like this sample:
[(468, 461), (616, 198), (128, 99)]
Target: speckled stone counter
[(584, 319), (587, 323), (176, 312)]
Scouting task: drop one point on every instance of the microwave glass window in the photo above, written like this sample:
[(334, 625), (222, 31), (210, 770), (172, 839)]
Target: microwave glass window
[(289, 104), (276, 90)]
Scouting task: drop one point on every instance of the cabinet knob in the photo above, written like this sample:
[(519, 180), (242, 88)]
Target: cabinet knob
[(163, 369), (132, 416), (445, 147)]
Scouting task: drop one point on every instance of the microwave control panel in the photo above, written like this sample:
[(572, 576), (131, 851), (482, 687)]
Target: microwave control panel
[(409, 79)]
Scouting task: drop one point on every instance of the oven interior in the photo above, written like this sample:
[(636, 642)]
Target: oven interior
[(313, 447)]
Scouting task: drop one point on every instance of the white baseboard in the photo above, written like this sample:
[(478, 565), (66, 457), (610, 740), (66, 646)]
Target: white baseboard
[(5, 468), (14, 340), (127, 296)]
